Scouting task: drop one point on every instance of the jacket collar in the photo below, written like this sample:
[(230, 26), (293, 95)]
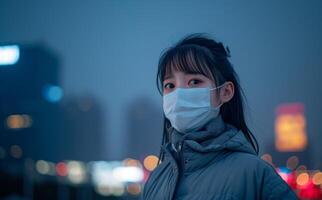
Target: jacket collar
[(214, 140), (211, 129)]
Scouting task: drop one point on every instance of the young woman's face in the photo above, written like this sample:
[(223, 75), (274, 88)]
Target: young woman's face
[(179, 79)]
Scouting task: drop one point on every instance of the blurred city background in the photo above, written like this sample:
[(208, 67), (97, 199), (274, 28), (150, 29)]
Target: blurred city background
[(80, 115)]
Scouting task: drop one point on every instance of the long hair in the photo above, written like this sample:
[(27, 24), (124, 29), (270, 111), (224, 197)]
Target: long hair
[(197, 53)]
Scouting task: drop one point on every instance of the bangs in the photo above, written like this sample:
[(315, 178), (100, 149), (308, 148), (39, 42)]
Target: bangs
[(188, 59)]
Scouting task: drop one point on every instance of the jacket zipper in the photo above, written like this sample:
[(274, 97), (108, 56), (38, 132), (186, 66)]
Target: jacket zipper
[(180, 154), (180, 165)]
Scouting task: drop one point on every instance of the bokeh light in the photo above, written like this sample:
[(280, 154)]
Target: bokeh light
[(61, 169), (76, 172), (53, 93), (128, 174), (42, 167), (18, 121), (302, 179), (9, 55), (292, 162), (268, 158), (134, 189), (16, 151), (150, 162), (317, 178)]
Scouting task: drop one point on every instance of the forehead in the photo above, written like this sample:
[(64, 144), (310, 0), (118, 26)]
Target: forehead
[(182, 73)]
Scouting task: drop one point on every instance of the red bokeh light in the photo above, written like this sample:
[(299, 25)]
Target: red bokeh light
[(61, 169)]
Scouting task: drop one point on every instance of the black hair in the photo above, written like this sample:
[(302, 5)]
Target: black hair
[(197, 53)]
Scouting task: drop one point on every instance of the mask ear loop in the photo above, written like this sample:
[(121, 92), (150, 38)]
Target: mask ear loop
[(217, 88)]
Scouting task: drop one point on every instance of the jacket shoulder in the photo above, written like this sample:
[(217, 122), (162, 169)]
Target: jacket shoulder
[(274, 187), (263, 175), (156, 177)]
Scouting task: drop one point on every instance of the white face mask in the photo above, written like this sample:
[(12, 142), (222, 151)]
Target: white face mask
[(188, 109)]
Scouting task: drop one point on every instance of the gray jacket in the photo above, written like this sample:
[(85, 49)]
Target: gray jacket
[(216, 162)]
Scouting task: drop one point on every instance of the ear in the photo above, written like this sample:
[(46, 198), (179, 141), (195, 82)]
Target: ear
[(227, 92)]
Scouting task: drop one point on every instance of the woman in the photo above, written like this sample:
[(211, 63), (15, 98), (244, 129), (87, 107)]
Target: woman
[(207, 151)]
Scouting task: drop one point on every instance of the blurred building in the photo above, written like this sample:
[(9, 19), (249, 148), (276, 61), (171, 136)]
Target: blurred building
[(144, 129), (30, 89)]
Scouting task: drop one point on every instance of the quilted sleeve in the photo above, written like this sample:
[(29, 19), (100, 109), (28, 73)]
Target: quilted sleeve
[(274, 187)]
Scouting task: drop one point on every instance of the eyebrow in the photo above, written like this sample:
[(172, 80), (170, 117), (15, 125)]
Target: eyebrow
[(190, 73)]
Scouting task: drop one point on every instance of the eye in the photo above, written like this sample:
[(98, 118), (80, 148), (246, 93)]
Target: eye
[(168, 86), (195, 82)]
